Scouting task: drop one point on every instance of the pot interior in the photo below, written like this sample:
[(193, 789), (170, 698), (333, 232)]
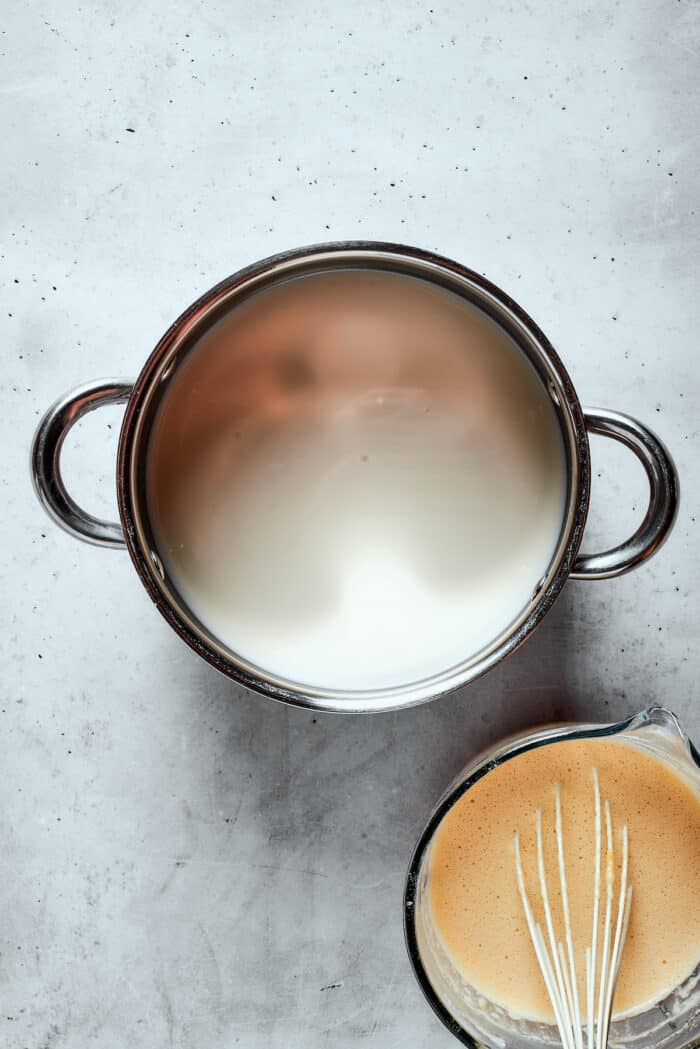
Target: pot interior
[(355, 476)]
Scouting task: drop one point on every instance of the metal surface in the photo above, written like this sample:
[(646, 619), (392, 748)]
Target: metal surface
[(152, 383), (46, 460), (672, 1023), (663, 496), (150, 387)]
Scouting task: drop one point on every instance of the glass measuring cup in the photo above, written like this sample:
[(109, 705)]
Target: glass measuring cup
[(673, 1023)]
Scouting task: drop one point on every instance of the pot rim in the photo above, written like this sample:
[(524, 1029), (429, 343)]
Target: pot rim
[(180, 337)]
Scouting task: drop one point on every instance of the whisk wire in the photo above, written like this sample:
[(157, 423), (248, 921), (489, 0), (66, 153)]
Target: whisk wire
[(572, 981), (623, 910), (556, 958), (605, 954), (537, 937), (561, 987), (593, 949)]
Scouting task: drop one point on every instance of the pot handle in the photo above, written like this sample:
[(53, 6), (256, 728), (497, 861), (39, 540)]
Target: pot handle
[(663, 496), (46, 460)]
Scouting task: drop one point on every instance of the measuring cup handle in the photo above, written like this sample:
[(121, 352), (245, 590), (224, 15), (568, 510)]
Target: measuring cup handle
[(46, 460), (663, 496)]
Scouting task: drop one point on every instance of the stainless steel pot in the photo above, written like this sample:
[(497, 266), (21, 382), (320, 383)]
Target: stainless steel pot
[(143, 397)]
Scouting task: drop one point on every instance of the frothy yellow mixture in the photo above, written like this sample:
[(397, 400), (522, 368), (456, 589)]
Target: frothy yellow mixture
[(473, 890)]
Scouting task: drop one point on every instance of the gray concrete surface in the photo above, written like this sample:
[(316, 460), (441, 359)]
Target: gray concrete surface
[(181, 864)]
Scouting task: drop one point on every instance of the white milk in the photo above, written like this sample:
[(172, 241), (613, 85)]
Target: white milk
[(356, 480)]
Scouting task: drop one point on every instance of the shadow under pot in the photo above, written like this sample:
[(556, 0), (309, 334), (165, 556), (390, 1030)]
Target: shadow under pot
[(354, 477)]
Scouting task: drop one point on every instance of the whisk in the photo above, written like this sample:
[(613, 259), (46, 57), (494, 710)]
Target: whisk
[(603, 954)]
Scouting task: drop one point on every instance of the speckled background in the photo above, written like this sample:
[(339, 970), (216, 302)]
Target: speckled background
[(182, 864)]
